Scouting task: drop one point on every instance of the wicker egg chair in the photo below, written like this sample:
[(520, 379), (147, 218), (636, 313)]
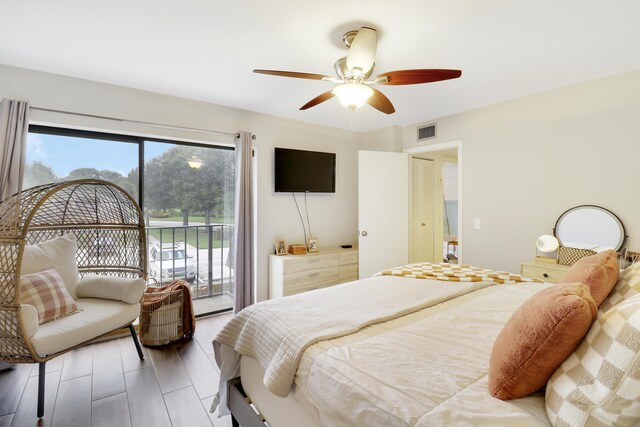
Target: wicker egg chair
[(111, 240)]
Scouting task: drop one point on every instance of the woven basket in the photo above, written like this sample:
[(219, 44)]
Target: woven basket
[(161, 318)]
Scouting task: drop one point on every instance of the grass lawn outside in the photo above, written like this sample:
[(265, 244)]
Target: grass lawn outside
[(199, 219), (196, 237)]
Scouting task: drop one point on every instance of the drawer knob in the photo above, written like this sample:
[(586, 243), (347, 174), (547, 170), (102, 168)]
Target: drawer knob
[(545, 275)]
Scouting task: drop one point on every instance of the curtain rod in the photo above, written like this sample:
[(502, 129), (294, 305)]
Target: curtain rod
[(138, 122)]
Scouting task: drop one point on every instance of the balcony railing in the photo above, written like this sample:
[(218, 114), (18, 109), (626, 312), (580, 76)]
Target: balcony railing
[(199, 254)]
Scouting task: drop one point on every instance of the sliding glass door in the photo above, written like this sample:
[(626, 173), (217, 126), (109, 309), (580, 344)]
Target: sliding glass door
[(186, 192), (188, 203)]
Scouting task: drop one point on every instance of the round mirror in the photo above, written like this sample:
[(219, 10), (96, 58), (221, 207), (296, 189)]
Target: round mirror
[(590, 227)]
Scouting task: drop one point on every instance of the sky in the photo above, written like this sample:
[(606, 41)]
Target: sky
[(116, 156)]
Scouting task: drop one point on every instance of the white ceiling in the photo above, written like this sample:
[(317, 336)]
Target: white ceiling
[(206, 50)]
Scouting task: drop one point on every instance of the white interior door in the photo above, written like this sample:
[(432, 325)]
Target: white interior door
[(383, 210), (422, 210)]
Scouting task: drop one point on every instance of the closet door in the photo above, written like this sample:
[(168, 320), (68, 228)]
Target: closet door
[(383, 210), (422, 211)]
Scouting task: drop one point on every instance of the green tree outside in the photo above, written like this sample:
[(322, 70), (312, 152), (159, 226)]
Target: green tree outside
[(37, 173), (169, 181)]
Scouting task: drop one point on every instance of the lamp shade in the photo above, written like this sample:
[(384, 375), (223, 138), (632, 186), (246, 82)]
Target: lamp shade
[(352, 95), (547, 244)]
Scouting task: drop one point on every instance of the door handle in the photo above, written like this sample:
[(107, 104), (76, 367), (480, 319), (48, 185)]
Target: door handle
[(364, 234)]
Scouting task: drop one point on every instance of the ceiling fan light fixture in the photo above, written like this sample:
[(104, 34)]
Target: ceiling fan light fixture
[(354, 73), (352, 95)]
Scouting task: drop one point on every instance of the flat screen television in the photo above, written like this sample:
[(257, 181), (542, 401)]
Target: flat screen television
[(302, 171)]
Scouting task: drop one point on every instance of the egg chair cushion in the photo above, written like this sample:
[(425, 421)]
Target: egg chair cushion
[(97, 317), (58, 253), (29, 319)]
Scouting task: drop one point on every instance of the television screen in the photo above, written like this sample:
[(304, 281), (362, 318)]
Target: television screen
[(304, 171)]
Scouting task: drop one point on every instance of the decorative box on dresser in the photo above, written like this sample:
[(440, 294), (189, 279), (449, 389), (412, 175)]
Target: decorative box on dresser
[(547, 271), (293, 274)]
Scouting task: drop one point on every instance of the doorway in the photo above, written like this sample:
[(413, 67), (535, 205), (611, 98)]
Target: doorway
[(436, 203)]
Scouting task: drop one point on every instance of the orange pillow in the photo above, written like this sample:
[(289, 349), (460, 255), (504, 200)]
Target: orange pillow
[(600, 272), (540, 335)]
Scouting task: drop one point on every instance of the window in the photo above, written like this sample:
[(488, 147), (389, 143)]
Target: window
[(186, 192), (63, 155)]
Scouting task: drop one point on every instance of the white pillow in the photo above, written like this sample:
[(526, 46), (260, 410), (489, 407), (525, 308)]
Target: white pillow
[(599, 384), (29, 319), (58, 253), (110, 287)]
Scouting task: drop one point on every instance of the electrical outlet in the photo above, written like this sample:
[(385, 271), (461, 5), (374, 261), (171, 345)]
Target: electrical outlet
[(476, 223)]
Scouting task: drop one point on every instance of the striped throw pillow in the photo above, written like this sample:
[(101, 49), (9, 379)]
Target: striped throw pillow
[(45, 290), (599, 384)]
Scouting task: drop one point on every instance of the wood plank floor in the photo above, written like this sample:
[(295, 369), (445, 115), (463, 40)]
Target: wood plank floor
[(106, 384)]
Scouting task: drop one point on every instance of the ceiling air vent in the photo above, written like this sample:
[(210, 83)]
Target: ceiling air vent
[(427, 132)]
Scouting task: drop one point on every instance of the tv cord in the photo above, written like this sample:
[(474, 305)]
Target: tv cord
[(304, 230)]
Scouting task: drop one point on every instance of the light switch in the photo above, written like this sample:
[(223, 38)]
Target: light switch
[(476, 223)]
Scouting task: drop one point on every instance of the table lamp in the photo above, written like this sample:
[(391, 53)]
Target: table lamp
[(547, 248)]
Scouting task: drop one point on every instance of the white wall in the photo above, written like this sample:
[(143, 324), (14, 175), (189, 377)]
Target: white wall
[(527, 160), (333, 217), (384, 139)]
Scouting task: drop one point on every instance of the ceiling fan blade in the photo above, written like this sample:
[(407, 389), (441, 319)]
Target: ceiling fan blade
[(362, 51), (412, 77), (318, 100), (380, 102), (293, 74)]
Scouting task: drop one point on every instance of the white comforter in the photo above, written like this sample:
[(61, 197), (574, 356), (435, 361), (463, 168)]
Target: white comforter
[(277, 332), (425, 369)]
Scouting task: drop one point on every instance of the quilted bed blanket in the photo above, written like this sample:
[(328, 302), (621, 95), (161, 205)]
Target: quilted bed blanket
[(456, 273), (276, 332)]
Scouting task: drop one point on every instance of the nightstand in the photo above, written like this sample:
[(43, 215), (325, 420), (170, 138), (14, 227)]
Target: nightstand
[(549, 272)]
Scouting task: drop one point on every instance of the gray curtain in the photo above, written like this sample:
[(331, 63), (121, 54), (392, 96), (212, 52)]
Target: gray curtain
[(243, 233), (14, 124)]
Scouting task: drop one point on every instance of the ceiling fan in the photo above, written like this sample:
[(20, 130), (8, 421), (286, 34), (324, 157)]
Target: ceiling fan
[(354, 72)]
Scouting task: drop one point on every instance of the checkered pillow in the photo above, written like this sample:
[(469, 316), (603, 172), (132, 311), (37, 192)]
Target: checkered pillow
[(628, 285), (599, 384), (45, 290)]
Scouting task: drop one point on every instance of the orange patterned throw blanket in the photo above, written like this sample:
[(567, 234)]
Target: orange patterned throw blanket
[(455, 273)]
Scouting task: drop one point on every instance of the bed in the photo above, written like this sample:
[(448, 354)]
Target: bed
[(420, 360)]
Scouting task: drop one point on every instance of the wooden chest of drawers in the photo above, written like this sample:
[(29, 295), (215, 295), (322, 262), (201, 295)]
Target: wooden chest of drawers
[(546, 271), (293, 274)]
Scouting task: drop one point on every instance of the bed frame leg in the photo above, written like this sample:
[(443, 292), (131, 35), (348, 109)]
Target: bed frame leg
[(41, 380), (135, 341)]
